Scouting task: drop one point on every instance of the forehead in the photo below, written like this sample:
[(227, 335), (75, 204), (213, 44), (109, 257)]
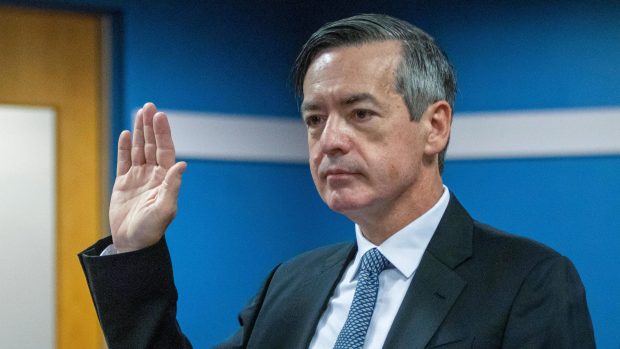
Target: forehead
[(368, 66)]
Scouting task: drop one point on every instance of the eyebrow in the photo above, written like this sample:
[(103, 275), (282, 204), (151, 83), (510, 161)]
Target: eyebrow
[(309, 106), (352, 99), (359, 97)]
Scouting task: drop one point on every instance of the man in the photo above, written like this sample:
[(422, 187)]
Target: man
[(377, 101)]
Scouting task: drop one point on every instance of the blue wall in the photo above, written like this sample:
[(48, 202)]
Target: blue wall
[(237, 220)]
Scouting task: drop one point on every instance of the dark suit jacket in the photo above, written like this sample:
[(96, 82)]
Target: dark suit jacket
[(475, 287)]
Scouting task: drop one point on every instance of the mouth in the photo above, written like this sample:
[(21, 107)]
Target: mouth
[(338, 173)]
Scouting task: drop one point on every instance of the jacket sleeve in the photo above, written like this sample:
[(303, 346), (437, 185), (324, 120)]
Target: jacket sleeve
[(134, 296), (550, 310)]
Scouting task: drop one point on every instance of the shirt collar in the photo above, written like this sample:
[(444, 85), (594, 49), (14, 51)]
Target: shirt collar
[(405, 248)]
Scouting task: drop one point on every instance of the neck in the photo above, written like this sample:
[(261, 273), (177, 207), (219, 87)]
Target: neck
[(381, 223)]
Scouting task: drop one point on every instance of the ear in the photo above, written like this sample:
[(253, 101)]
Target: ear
[(439, 117)]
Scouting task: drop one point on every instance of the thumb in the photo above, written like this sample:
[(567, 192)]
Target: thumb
[(170, 187)]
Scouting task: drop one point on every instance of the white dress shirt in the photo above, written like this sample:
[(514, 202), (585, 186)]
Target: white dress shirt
[(404, 250)]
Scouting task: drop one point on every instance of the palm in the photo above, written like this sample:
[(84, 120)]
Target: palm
[(145, 191), (133, 213)]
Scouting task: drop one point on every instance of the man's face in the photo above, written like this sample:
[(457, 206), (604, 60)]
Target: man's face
[(365, 152)]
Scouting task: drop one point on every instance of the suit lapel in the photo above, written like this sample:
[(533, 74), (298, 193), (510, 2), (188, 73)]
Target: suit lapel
[(293, 309), (315, 294), (436, 285), (427, 302)]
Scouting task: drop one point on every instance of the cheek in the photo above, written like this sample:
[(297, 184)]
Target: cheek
[(393, 172), (314, 172), (313, 160)]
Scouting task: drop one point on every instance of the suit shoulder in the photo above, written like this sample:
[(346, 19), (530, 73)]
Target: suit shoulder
[(501, 263), (321, 253), (296, 272), (324, 254), (510, 248)]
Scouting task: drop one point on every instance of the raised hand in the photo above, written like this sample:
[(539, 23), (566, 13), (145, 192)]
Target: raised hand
[(144, 198)]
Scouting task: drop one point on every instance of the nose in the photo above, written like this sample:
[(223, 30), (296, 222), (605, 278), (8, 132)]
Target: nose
[(335, 138)]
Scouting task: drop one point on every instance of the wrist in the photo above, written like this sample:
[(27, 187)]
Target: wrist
[(122, 246)]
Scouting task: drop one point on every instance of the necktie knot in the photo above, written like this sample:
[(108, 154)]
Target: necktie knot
[(373, 262)]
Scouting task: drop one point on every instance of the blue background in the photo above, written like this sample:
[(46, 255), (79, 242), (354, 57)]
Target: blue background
[(237, 220)]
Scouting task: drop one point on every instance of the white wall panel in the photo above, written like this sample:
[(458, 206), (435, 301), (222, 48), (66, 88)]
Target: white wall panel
[(27, 231)]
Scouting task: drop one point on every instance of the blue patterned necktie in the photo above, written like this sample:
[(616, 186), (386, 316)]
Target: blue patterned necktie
[(354, 331)]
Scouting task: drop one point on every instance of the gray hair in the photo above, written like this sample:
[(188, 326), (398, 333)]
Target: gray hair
[(423, 77)]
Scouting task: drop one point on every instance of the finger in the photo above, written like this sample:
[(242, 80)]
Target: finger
[(169, 193), (123, 159), (163, 138), (150, 147), (137, 146)]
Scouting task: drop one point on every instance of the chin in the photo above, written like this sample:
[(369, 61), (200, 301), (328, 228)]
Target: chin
[(346, 205)]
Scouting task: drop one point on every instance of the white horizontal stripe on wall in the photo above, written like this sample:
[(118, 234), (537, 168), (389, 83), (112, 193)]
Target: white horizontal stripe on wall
[(228, 137), (489, 135), (535, 133)]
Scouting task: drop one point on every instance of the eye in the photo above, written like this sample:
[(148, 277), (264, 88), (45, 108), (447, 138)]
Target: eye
[(313, 120), (362, 114)]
